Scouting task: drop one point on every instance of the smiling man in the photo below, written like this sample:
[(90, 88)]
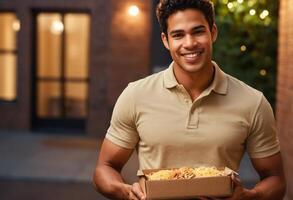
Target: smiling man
[(190, 114)]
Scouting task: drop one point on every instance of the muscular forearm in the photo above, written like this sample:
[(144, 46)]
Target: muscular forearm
[(110, 183), (271, 188)]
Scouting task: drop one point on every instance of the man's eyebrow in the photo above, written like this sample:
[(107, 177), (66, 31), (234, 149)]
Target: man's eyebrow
[(198, 27), (194, 28), (176, 31)]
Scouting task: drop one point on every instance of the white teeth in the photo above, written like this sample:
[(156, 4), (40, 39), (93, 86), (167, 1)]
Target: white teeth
[(191, 55)]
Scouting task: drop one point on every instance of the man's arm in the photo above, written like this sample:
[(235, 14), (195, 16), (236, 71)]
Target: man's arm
[(272, 185), (107, 177)]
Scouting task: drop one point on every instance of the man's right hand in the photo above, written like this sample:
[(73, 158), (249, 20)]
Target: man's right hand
[(135, 192)]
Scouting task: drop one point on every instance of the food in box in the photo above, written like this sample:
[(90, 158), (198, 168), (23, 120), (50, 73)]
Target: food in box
[(186, 182)]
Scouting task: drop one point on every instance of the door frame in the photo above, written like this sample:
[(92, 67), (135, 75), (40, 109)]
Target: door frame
[(71, 125)]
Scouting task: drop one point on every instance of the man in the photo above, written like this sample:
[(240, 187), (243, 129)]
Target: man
[(190, 114)]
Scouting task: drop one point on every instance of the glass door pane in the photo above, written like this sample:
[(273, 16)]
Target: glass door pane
[(49, 30), (76, 100), (7, 77), (9, 25), (49, 100), (77, 42)]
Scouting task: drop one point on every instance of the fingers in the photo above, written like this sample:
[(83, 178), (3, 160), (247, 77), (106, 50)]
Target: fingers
[(136, 192), (132, 196), (238, 188), (236, 180)]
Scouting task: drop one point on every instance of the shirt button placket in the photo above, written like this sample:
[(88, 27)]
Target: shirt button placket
[(193, 116)]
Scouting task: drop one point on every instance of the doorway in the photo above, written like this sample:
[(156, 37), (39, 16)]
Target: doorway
[(61, 65)]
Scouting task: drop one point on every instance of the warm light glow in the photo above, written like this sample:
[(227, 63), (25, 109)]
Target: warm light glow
[(16, 25), (243, 48), (230, 5), (240, 1), (57, 27), (264, 14), (133, 10), (263, 72), (252, 12)]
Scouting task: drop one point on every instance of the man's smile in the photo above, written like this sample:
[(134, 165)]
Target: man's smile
[(192, 56)]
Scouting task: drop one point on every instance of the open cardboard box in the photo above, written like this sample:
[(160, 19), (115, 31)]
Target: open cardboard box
[(217, 186)]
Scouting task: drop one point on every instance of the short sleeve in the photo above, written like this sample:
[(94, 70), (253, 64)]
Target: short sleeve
[(122, 130), (262, 140)]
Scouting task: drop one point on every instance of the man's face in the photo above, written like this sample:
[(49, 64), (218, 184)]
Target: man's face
[(190, 40)]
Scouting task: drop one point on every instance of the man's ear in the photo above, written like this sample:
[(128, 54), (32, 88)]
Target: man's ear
[(164, 38), (214, 32)]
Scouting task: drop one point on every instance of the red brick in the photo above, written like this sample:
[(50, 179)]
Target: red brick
[(285, 89)]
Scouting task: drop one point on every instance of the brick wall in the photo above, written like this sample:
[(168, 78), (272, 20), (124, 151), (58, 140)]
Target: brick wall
[(129, 46), (285, 90)]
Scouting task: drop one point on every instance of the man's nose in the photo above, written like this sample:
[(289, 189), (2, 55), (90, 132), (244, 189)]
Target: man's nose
[(189, 41)]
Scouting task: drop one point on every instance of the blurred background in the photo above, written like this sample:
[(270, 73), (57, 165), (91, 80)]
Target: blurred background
[(64, 63)]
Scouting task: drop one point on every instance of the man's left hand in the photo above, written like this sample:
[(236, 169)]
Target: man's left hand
[(240, 193)]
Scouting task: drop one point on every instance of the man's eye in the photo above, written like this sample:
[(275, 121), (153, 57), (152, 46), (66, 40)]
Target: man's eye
[(199, 31), (177, 36)]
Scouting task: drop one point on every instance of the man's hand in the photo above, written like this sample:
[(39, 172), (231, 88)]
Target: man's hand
[(135, 192), (240, 193)]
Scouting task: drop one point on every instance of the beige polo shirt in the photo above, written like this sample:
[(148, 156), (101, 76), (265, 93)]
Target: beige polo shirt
[(156, 116)]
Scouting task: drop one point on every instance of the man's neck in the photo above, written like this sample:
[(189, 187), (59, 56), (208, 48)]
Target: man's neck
[(195, 83)]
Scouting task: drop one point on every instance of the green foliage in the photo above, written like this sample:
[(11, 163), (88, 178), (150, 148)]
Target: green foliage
[(247, 43)]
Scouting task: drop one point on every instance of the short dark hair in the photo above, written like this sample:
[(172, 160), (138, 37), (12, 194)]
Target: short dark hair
[(165, 8)]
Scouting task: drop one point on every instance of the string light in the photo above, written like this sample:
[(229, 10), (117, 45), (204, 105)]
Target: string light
[(240, 1), (243, 48), (263, 72), (264, 14), (252, 12), (230, 5)]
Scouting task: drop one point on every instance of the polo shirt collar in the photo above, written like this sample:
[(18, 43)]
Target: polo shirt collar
[(169, 77), (219, 84)]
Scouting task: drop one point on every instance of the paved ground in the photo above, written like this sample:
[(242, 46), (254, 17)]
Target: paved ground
[(46, 190), (46, 166)]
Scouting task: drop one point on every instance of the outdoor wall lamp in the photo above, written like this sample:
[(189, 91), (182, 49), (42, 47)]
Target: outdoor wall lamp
[(133, 10)]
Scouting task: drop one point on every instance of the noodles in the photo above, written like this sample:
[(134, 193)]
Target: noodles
[(185, 173)]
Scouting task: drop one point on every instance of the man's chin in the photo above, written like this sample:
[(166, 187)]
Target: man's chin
[(192, 68)]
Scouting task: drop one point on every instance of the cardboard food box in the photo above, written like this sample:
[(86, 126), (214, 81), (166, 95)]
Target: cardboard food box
[(214, 186)]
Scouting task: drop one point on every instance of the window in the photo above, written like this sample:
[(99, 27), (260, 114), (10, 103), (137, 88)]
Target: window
[(9, 26)]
